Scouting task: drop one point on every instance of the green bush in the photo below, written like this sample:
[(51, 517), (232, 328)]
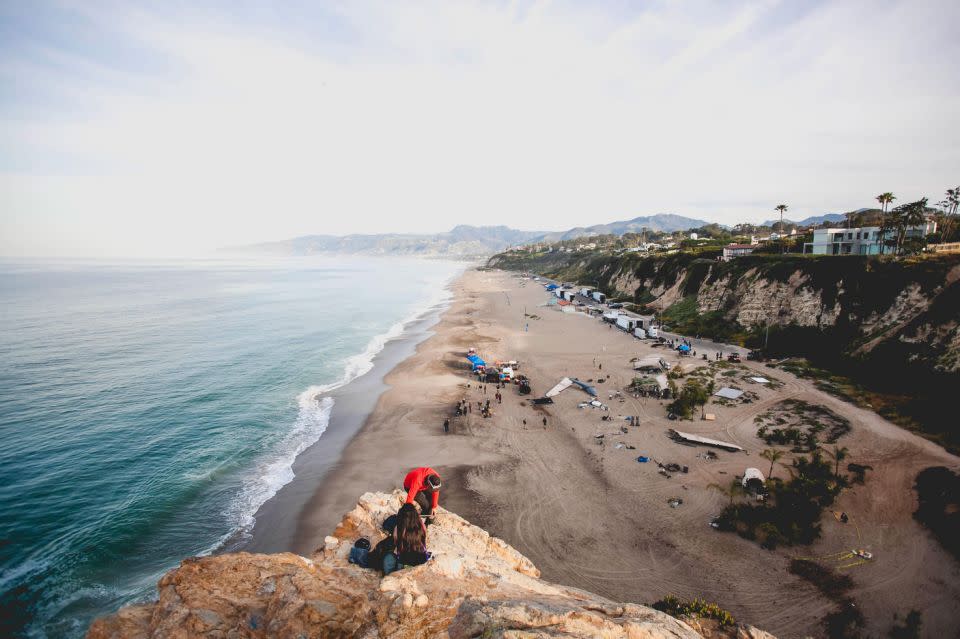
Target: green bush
[(676, 607)]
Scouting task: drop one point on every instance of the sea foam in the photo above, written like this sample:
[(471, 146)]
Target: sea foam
[(274, 472)]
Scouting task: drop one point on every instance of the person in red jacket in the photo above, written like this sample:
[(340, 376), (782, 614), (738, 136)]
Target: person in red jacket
[(419, 483)]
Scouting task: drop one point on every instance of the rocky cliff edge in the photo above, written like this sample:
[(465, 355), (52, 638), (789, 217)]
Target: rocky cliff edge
[(474, 586)]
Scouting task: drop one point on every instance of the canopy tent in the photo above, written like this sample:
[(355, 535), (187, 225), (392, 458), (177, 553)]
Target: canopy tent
[(697, 439), (729, 393), (563, 385), (476, 361), (760, 380), (683, 348), (551, 287)]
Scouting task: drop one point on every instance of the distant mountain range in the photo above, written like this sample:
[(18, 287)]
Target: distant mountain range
[(463, 241), (666, 222), (816, 219)]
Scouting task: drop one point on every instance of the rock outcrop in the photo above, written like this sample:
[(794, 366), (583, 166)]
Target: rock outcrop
[(474, 586)]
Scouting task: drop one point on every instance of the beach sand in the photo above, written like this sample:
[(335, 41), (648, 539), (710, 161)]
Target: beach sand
[(590, 515)]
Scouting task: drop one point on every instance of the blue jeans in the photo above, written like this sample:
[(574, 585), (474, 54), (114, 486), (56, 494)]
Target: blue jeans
[(390, 564)]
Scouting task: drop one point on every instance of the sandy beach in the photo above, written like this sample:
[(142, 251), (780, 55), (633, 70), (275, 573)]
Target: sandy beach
[(590, 515)]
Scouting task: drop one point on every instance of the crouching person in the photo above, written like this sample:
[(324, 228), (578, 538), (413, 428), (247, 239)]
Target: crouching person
[(423, 486), (409, 541)]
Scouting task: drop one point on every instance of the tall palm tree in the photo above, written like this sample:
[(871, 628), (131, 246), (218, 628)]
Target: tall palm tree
[(773, 455), (781, 208), (884, 199), (838, 453), (949, 205)]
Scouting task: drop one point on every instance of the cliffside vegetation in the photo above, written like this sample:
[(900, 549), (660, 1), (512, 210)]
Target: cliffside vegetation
[(878, 331)]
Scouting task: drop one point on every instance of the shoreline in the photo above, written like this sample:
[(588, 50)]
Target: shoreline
[(589, 515), (275, 520)]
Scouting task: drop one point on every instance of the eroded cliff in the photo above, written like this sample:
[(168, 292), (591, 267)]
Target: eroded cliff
[(474, 586)]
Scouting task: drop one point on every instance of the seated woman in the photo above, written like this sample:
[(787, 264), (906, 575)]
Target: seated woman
[(409, 541)]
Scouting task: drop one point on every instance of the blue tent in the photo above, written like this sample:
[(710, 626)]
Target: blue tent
[(683, 348), (551, 287), (476, 361)]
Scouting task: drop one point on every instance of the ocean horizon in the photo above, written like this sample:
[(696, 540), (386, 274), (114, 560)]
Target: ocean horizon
[(149, 408)]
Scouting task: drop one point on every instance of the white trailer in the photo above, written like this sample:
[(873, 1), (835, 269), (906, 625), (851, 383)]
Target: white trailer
[(611, 316), (626, 322), (653, 333), (600, 297), (586, 292), (639, 332)]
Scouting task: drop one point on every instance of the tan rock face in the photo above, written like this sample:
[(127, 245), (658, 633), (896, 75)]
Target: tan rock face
[(474, 586)]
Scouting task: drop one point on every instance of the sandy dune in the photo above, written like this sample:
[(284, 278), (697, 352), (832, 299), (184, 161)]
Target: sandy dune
[(591, 516)]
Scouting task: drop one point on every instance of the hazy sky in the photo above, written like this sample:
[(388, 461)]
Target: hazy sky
[(174, 128)]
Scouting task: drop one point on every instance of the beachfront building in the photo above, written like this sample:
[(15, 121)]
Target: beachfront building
[(731, 251), (867, 240)]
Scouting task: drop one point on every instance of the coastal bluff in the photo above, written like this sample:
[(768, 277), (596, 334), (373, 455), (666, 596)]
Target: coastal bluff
[(474, 586)]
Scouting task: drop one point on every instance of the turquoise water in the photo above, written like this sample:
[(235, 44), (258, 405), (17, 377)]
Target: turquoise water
[(148, 409)]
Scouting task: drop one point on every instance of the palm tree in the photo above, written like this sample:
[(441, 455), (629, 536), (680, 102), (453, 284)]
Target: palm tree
[(773, 455), (781, 208), (884, 199), (735, 488), (839, 454), (949, 206)]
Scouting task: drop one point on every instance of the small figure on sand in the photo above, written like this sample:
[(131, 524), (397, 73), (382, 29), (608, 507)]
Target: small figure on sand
[(544, 422), (446, 425), (419, 484)]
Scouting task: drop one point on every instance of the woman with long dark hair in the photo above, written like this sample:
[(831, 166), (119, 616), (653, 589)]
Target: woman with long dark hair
[(409, 541)]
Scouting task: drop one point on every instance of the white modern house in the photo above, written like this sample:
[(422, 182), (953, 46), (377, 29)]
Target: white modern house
[(865, 240), (731, 251)]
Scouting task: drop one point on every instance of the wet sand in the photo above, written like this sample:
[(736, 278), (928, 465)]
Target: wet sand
[(590, 515)]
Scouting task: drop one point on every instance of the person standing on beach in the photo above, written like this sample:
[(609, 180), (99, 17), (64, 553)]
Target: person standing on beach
[(446, 425), (544, 422), (423, 486)]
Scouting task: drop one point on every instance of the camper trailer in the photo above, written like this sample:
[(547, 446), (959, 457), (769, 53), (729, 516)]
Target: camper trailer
[(653, 333), (600, 297), (639, 332), (611, 316), (626, 322), (586, 292)]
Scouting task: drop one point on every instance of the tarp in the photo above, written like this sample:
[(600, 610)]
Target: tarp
[(683, 348), (476, 361), (563, 385), (589, 389), (697, 439), (728, 393), (651, 362), (550, 287), (760, 380)]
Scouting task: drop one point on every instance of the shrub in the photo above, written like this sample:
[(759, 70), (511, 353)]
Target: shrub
[(697, 608)]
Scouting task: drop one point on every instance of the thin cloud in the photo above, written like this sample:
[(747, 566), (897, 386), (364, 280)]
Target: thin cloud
[(217, 129)]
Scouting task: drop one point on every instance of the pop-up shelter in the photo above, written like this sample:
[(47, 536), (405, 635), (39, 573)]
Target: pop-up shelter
[(476, 361)]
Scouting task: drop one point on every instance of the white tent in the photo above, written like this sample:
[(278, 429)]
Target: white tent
[(563, 385), (752, 474)]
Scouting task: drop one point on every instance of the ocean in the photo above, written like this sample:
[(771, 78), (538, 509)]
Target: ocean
[(149, 408)]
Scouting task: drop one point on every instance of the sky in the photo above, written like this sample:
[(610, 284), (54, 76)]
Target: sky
[(175, 128)]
